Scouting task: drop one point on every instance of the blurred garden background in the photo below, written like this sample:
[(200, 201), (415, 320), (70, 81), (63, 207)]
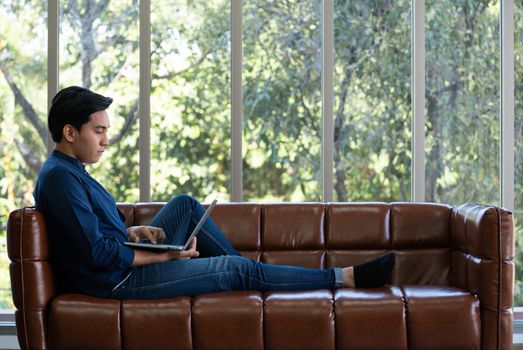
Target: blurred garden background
[(282, 100)]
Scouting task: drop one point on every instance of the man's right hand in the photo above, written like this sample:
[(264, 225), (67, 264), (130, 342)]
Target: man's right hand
[(153, 234), (145, 257)]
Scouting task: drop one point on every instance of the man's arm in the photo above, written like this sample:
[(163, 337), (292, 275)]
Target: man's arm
[(145, 257), (67, 202)]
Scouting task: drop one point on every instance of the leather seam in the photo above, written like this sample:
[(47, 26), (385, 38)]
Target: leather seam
[(500, 277), (389, 226), (22, 277), (262, 228)]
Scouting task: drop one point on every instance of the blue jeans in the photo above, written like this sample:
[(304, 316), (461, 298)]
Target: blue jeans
[(219, 267)]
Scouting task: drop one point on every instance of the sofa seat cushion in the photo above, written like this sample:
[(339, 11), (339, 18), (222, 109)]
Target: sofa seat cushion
[(157, 324), (414, 317), (370, 318), (299, 320), (442, 318), (82, 322), (228, 320)]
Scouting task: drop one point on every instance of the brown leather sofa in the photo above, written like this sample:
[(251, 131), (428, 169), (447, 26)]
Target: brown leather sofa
[(452, 287)]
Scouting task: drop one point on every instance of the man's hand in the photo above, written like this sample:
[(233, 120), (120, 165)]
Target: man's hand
[(154, 234), (191, 252), (144, 257)]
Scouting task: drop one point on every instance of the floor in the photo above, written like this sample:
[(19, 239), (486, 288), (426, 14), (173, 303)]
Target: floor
[(9, 342)]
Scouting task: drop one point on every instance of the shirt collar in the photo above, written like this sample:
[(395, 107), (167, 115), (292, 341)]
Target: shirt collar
[(73, 161)]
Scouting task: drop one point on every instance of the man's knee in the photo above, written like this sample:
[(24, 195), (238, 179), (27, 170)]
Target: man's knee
[(184, 198), (238, 263)]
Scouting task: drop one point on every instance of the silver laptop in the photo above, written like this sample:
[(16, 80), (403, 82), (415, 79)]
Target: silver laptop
[(205, 216)]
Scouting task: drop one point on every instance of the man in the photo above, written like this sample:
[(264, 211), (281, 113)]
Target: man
[(87, 231)]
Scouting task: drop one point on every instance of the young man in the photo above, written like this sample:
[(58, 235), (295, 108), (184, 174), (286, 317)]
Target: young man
[(86, 230)]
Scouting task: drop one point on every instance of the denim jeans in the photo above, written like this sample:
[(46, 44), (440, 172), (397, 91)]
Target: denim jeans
[(219, 266)]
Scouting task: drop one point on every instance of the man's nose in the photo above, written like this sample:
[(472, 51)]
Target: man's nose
[(105, 141)]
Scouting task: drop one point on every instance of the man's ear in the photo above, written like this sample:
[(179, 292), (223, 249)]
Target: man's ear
[(68, 132)]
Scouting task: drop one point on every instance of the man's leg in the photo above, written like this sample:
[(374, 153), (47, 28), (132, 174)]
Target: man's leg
[(178, 219), (223, 273)]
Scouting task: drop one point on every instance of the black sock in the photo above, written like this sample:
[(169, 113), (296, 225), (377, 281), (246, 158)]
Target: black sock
[(374, 273)]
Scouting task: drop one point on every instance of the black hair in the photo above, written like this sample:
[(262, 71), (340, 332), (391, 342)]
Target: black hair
[(74, 105)]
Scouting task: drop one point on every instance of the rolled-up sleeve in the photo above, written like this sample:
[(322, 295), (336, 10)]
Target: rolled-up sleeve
[(80, 225)]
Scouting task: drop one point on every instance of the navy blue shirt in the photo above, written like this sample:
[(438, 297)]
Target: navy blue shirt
[(85, 228)]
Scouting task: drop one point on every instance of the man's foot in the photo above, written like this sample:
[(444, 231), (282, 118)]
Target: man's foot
[(374, 273)]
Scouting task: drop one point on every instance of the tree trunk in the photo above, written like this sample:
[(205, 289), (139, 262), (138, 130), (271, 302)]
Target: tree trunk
[(339, 122)]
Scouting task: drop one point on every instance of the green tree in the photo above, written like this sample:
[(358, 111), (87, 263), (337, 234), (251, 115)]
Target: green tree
[(190, 95)]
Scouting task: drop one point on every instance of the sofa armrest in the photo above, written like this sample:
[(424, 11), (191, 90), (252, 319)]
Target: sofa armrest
[(483, 263), (32, 280)]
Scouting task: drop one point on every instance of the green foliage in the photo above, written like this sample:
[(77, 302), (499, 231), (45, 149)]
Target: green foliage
[(463, 101), (190, 100), (282, 60), (282, 100), (372, 100)]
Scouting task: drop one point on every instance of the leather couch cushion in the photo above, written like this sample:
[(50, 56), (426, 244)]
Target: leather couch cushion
[(420, 225), (240, 224), (357, 226), (299, 320), (301, 258), (30, 329), (293, 226), (370, 319), (442, 318), (229, 320), (83, 322), (27, 236), (157, 324)]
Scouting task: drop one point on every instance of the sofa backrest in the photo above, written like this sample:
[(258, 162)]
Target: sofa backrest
[(334, 234), (32, 280)]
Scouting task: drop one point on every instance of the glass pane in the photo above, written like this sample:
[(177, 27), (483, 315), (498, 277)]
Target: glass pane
[(23, 108), (462, 101), (518, 134), (282, 100), (372, 109), (190, 99), (99, 51)]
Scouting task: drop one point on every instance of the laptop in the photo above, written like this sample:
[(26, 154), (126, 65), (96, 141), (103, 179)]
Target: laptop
[(151, 246)]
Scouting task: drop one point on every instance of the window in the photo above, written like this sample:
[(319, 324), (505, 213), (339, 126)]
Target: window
[(23, 67), (282, 100), (190, 99), (372, 110), (462, 101), (99, 51)]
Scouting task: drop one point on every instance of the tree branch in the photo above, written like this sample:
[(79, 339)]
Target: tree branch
[(307, 110), (34, 162), (27, 108), (171, 75), (433, 95), (339, 186), (98, 8), (130, 119)]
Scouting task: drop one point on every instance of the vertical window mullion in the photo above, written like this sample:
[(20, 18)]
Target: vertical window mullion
[(53, 36), (507, 168), (418, 100), (327, 88), (144, 101), (236, 102)]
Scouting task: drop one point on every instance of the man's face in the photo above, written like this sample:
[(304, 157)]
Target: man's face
[(90, 143)]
